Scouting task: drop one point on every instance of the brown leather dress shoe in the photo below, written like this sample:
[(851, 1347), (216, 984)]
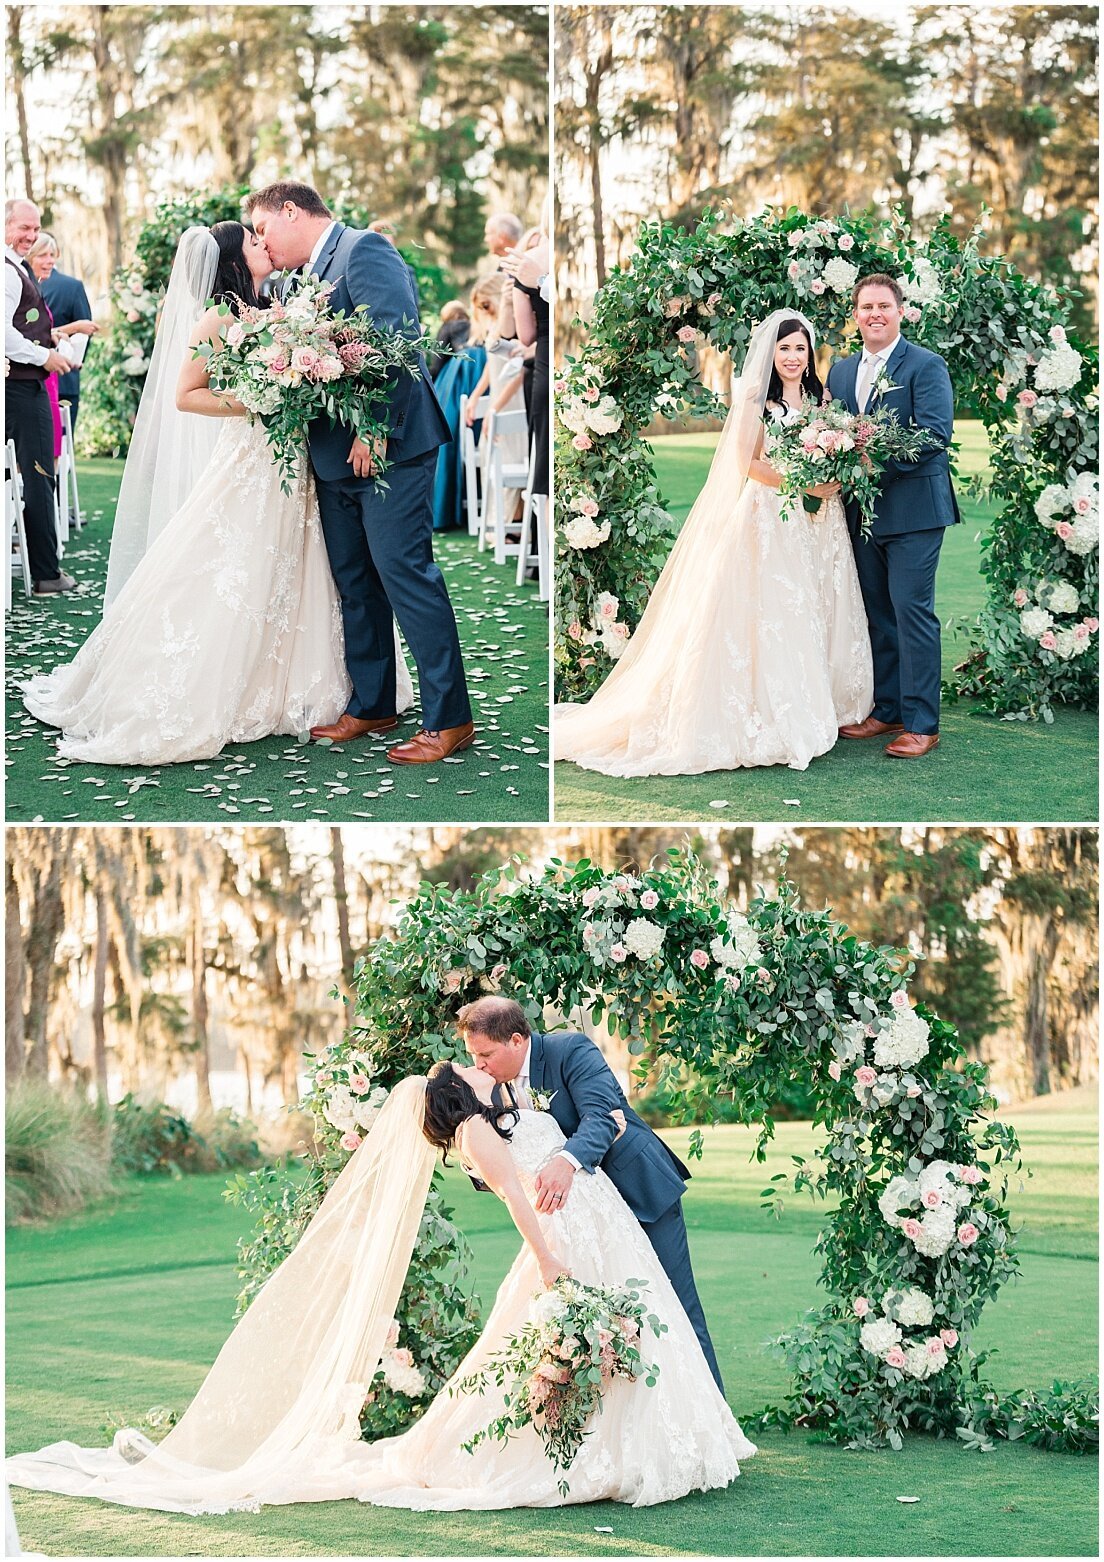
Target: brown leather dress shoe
[(347, 727), (912, 745), (870, 728), (427, 747)]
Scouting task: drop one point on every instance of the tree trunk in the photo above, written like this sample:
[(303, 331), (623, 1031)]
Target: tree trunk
[(341, 899), (47, 917), (99, 991), (15, 976), (197, 957), (18, 77)]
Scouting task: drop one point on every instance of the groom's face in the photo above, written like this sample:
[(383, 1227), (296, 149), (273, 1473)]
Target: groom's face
[(286, 233), (502, 1060), (879, 316)]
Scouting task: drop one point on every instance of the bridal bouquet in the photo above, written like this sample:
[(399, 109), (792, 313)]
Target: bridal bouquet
[(831, 445), (555, 1370), (299, 360)]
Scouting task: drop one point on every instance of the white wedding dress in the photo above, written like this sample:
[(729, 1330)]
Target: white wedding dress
[(753, 649), (228, 630), (276, 1418)]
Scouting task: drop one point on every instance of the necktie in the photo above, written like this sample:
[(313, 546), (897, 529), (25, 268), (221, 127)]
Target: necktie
[(868, 368)]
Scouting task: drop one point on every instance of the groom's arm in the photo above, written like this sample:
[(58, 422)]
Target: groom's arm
[(378, 277), (933, 410), (590, 1083)]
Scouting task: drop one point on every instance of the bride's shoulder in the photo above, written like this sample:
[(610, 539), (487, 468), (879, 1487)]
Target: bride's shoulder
[(209, 326)]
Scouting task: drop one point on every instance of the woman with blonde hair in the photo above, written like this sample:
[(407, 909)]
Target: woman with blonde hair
[(458, 378)]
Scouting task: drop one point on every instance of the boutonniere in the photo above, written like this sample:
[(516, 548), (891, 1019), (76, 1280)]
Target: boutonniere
[(882, 383), (540, 1100)]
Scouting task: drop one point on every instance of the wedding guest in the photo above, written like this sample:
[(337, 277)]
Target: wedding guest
[(68, 303), (459, 378), (32, 358), (455, 326), (530, 269)]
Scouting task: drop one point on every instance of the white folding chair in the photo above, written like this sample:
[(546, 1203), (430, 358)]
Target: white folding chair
[(469, 460), (69, 455), (534, 526), (503, 477), (16, 526)]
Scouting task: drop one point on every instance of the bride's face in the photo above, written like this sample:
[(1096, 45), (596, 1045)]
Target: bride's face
[(791, 356), (256, 257), (480, 1081)]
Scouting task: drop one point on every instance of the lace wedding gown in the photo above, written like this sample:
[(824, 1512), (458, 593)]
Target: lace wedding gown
[(753, 650), (648, 1445), (228, 630)]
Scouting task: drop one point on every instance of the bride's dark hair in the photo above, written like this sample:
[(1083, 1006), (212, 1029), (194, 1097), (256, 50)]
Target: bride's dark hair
[(810, 380), (233, 284), (450, 1101)]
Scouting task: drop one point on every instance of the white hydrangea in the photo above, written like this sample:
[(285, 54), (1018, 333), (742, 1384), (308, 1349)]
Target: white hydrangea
[(899, 1193), (879, 1335), (913, 1307), (944, 1177), (604, 415), (739, 947), (584, 533), (615, 641), (401, 1379), (546, 1307), (643, 938), (1086, 485), (1058, 369), (1085, 536), (903, 1042), (366, 1111), (840, 274), (937, 1231), (340, 1110), (924, 286), (922, 1362), (1066, 644), (1035, 621), (1063, 597), (1051, 503)]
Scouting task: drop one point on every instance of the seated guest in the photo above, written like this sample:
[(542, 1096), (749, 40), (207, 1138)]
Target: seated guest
[(530, 268), (68, 303), (455, 325), (459, 378)]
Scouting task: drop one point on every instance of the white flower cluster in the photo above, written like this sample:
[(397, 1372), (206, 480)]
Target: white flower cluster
[(882, 1337), (1058, 368), (349, 1110), (1072, 512), (924, 286), (879, 1336), (912, 1307), (903, 1042), (840, 274), (606, 629), (932, 1202), (582, 415), (643, 938), (582, 532), (400, 1374), (736, 948)]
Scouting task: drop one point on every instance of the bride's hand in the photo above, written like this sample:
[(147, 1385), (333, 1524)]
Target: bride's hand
[(553, 1269), (824, 490)]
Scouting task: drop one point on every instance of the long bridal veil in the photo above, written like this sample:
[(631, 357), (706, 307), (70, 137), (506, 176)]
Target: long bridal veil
[(278, 1413), (168, 448)]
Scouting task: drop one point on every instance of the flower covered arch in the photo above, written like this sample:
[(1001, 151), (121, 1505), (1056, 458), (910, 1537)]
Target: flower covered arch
[(1013, 363), (744, 1004)]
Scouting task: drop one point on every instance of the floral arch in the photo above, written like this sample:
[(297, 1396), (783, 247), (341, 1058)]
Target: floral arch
[(921, 1238), (1013, 364)]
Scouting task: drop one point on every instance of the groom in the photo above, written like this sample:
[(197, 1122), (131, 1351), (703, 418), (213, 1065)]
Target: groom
[(379, 540), (569, 1068), (897, 562)]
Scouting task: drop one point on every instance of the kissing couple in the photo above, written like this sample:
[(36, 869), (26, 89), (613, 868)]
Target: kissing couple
[(233, 610), (595, 1195), (770, 634)]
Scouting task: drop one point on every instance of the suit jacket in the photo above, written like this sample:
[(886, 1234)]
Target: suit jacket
[(367, 269), (67, 301), (569, 1067), (916, 495)]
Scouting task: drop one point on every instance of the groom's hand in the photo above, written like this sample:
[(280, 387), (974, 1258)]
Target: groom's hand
[(366, 459), (553, 1185)]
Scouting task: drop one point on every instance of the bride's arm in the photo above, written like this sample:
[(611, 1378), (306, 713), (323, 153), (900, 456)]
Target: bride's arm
[(193, 394), (490, 1157), (761, 470)]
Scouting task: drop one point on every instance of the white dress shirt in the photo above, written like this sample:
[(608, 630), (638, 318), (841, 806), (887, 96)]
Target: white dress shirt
[(521, 1082), (878, 361), (17, 347), (317, 250)]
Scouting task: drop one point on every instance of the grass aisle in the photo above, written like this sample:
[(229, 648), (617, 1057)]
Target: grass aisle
[(504, 633), (123, 1307), (984, 768)]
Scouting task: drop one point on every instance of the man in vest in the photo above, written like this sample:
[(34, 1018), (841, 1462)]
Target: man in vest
[(29, 350)]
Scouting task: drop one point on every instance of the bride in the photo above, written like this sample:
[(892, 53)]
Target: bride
[(254, 1435), (221, 620), (754, 647)]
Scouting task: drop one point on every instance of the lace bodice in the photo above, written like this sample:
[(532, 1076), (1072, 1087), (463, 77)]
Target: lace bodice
[(534, 1140)]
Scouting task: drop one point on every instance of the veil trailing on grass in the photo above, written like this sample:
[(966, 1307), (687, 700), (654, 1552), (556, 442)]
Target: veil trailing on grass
[(168, 448), (279, 1410)]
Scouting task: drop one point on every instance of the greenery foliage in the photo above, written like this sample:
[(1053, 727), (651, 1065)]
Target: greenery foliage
[(152, 1138), (57, 1151), (1012, 364)]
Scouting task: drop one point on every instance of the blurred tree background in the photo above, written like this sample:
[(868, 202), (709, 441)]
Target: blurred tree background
[(667, 110), (197, 965), (429, 116)]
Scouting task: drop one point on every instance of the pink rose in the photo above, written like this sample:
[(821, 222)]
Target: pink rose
[(591, 393), (454, 980), (968, 1233), (1057, 333), (699, 958), (403, 1357), (865, 1075), (359, 1083), (816, 286), (935, 1346), (1080, 633), (305, 359), (793, 270), (1064, 530), (575, 631), (608, 610), (1092, 624), (686, 333), (582, 442), (972, 1175), (845, 241), (591, 895), (1020, 597), (1002, 392), (712, 301), (235, 335), (899, 999), (392, 1335), (895, 1357), (834, 1070), (793, 239), (498, 972), (133, 315), (350, 1141), (912, 1228), (1082, 505), (589, 508), (932, 1199), (278, 366), (619, 954), (912, 314), (860, 1306), (1047, 640), (649, 900), (949, 1338), (1027, 398), (913, 1091)]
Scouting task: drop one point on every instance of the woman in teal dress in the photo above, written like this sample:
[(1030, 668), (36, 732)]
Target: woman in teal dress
[(459, 377)]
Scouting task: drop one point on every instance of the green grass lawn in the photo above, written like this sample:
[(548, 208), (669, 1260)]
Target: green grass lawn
[(123, 1307), (984, 769), (504, 776)]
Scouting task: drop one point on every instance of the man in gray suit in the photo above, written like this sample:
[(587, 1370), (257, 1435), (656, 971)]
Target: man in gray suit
[(584, 1093), (379, 540)]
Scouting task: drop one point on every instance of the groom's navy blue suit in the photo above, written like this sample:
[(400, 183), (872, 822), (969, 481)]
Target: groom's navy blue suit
[(896, 563), (380, 540), (649, 1177)]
